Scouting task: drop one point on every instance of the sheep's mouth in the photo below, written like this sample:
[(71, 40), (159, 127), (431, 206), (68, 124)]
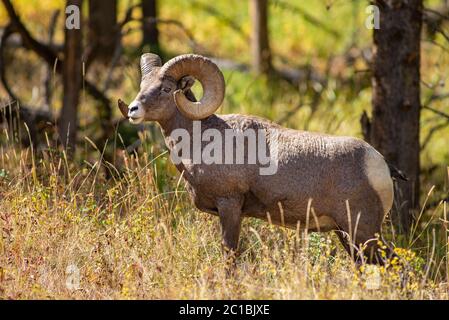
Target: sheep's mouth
[(134, 120)]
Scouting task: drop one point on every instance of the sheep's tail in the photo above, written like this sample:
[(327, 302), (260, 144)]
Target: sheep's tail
[(396, 173)]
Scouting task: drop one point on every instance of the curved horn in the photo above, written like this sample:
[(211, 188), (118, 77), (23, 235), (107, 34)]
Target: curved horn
[(148, 62), (210, 77)]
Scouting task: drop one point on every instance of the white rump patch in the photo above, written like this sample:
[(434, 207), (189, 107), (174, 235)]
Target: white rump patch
[(379, 177)]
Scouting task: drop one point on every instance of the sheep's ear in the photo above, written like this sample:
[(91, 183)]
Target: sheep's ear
[(186, 83), (123, 108)]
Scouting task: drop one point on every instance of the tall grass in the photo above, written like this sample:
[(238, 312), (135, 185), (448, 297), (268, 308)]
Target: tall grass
[(138, 236)]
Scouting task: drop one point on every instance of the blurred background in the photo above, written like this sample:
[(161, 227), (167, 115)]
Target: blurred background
[(319, 65)]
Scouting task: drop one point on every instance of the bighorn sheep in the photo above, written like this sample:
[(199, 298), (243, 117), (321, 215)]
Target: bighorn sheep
[(349, 181)]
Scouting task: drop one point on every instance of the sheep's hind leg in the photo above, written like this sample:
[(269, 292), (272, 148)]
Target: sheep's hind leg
[(365, 247), (230, 212)]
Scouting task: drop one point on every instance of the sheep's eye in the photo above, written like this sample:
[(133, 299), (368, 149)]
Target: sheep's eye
[(167, 90)]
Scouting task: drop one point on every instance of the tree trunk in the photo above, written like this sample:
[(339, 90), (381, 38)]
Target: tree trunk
[(150, 30), (103, 29), (394, 130), (72, 82), (260, 48)]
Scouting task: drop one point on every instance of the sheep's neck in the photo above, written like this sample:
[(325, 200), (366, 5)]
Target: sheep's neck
[(177, 121)]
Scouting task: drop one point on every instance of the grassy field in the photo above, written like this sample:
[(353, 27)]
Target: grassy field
[(130, 238), (68, 232)]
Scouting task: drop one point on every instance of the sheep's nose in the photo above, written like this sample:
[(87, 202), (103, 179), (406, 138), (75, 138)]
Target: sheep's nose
[(135, 112)]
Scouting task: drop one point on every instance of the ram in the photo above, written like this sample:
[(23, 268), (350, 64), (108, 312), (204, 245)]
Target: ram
[(321, 182)]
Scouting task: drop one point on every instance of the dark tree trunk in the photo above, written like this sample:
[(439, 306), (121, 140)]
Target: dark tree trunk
[(260, 48), (394, 130), (149, 25), (103, 29), (72, 82)]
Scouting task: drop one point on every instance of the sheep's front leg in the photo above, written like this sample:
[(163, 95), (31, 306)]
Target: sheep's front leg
[(230, 212)]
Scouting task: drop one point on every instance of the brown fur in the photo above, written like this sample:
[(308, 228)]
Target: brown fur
[(327, 170)]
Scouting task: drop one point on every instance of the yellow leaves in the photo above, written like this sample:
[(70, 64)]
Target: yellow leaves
[(405, 254), (394, 261), (113, 193), (132, 282)]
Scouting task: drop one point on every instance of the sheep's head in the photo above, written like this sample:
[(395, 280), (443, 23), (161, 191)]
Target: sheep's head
[(165, 88)]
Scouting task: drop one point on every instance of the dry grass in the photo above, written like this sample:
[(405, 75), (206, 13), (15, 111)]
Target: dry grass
[(131, 237), (138, 236)]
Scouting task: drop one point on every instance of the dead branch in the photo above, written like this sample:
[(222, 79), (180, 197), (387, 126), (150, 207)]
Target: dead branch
[(44, 51), (33, 117), (48, 75), (308, 17), (434, 19), (47, 54), (438, 112), (192, 42), (216, 13), (431, 133)]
